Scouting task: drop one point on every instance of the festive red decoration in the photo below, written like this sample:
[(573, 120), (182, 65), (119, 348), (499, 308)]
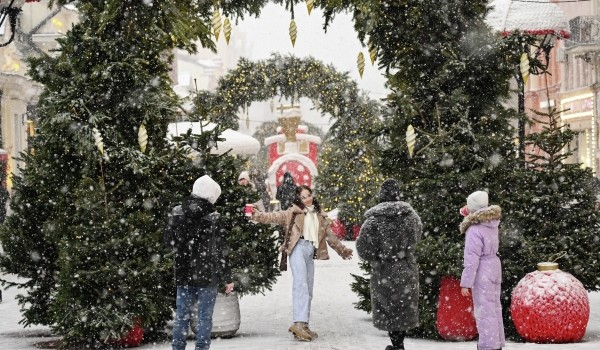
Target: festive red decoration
[(454, 319), (355, 231), (338, 229), (550, 307), (133, 338)]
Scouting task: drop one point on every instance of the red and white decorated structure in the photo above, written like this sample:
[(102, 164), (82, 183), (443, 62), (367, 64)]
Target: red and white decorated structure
[(292, 150)]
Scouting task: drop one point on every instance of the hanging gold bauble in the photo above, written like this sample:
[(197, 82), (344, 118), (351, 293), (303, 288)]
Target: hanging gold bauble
[(524, 67), (309, 5), (227, 29), (98, 140), (411, 138), (216, 23), (293, 32), (360, 62), (372, 53), (142, 138)]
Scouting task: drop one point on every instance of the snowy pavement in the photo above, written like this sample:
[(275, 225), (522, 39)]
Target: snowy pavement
[(266, 318)]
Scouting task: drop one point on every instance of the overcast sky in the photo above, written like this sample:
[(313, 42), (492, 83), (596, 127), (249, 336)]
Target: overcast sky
[(339, 47)]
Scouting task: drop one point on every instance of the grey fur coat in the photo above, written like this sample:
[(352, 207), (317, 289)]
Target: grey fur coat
[(388, 240)]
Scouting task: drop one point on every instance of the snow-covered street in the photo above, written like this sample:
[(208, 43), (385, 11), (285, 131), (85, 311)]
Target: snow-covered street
[(266, 318)]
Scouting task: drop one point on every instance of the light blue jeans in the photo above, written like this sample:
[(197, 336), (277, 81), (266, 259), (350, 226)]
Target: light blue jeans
[(303, 274), (187, 296)]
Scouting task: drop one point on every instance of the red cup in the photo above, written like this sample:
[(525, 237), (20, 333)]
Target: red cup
[(248, 209), (464, 211)]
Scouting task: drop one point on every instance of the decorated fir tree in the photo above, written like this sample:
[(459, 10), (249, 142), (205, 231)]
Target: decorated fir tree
[(549, 210), (447, 133), (90, 202)]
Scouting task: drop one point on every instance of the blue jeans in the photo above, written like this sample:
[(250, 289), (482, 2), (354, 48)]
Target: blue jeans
[(303, 274), (187, 296)]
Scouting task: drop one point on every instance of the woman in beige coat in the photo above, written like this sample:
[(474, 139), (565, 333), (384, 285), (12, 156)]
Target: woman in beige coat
[(306, 240)]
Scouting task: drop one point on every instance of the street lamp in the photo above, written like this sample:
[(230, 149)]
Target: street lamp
[(10, 9), (542, 19)]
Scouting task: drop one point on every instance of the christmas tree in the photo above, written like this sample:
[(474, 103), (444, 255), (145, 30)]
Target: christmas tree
[(90, 203), (550, 210), (448, 75)]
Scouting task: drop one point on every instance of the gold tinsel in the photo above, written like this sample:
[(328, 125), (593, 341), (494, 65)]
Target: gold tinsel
[(293, 32), (216, 23), (360, 62), (309, 5), (227, 29)]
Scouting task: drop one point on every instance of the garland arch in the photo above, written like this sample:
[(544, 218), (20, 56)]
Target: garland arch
[(331, 92)]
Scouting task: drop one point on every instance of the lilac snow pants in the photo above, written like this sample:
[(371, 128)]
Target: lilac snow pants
[(486, 299)]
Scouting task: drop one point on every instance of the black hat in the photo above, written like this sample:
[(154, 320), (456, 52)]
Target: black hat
[(390, 192)]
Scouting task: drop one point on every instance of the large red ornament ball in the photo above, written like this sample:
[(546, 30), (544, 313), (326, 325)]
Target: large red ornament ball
[(550, 307), (132, 339), (454, 318)]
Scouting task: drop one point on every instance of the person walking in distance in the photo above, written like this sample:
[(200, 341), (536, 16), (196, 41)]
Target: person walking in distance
[(199, 242), (286, 192), (388, 241), (482, 272), (307, 234)]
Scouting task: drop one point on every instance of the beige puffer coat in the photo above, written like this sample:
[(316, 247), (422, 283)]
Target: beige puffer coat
[(284, 217)]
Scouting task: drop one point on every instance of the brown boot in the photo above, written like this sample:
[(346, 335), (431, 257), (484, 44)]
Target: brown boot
[(311, 333), (297, 329)]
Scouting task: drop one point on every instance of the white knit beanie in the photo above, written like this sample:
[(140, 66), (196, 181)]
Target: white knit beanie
[(205, 187), (477, 200), (244, 175)]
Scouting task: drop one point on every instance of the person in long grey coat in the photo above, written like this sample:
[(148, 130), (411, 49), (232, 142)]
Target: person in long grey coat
[(482, 272), (388, 240)]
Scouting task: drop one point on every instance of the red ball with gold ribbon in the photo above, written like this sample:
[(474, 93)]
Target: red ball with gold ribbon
[(550, 306)]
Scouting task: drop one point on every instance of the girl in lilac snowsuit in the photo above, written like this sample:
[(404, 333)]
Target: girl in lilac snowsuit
[(482, 271)]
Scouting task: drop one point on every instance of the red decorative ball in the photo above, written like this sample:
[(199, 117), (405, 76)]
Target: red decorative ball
[(550, 307), (133, 338), (455, 319), (338, 229)]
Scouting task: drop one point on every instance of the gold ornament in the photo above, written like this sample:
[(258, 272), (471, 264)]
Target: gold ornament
[(227, 29), (524, 66), (372, 53), (309, 5), (98, 140), (216, 23), (142, 138), (293, 32), (411, 138), (360, 62)]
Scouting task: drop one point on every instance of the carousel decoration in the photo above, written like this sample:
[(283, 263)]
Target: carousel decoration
[(292, 150)]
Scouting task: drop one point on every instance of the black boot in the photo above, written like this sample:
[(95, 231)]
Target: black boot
[(397, 338), (390, 347)]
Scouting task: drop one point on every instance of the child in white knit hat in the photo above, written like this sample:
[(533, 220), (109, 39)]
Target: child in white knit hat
[(482, 272)]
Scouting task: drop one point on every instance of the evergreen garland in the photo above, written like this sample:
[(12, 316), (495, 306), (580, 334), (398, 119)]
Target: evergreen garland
[(347, 160)]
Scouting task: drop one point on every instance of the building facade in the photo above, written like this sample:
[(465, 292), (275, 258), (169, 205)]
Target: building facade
[(577, 94)]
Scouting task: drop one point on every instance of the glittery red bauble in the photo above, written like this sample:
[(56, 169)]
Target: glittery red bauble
[(550, 307), (454, 319), (133, 338)]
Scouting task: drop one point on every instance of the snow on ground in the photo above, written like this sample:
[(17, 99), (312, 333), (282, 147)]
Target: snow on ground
[(266, 318)]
